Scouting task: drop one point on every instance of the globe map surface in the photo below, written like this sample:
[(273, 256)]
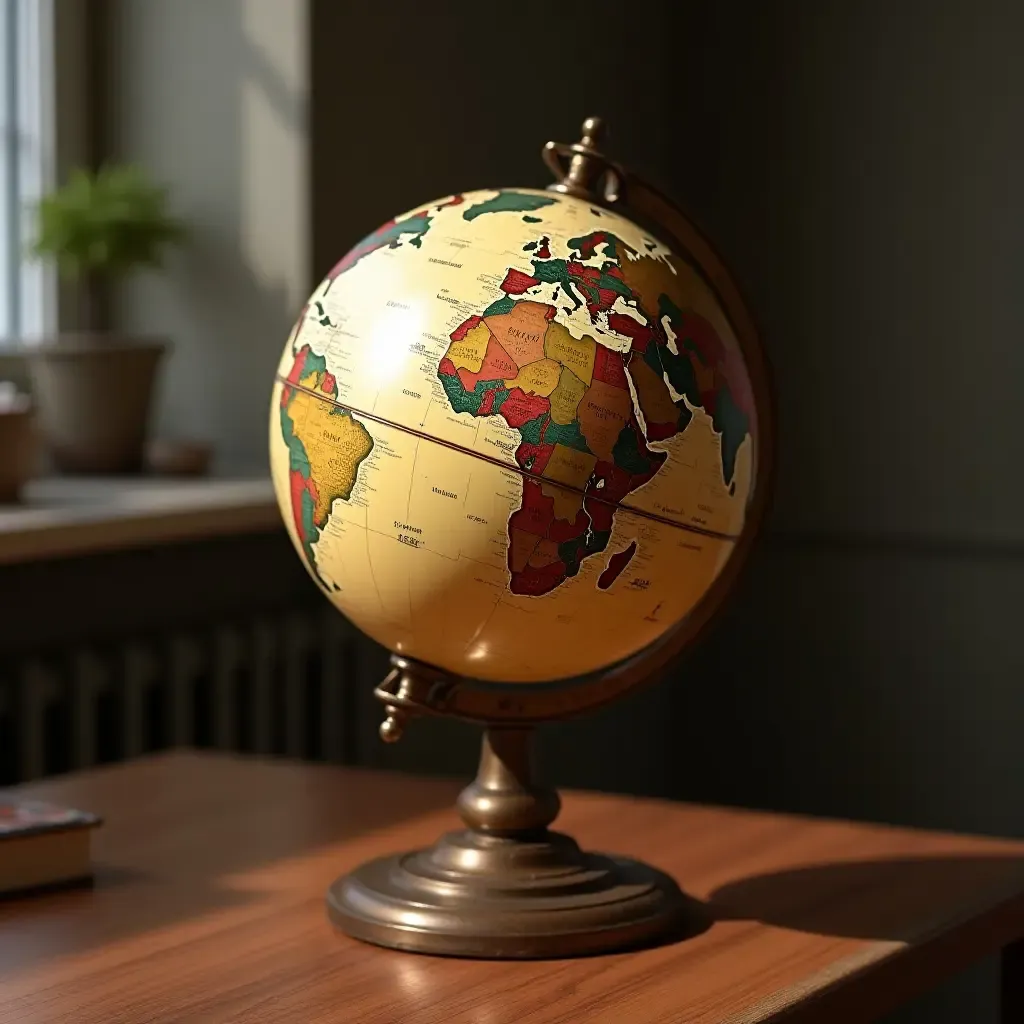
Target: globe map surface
[(512, 435)]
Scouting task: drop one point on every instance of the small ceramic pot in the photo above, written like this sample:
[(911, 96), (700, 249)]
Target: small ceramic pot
[(19, 447), (94, 394)]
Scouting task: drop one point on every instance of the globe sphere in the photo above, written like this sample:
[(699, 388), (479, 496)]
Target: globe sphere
[(513, 436)]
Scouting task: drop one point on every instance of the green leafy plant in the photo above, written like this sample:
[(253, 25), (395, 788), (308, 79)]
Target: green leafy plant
[(106, 223)]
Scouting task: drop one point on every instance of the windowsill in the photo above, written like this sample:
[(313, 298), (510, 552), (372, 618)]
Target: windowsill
[(62, 517)]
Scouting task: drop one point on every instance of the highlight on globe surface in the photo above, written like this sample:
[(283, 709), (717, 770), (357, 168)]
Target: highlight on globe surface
[(513, 436)]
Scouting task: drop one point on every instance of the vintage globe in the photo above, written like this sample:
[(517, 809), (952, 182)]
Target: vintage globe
[(513, 436)]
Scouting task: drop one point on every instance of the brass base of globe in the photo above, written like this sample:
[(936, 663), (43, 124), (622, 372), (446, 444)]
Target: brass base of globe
[(508, 887), (482, 896)]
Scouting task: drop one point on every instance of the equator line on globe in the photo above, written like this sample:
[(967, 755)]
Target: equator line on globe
[(513, 436)]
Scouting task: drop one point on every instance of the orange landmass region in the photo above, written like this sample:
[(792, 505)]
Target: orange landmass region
[(521, 331), (576, 354), (655, 399), (521, 545), (565, 399), (496, 365), (335, 443), (603, 412), (539, 378)]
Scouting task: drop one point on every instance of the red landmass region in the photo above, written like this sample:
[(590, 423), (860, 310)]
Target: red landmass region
[(329, 386), (299, 486), (544, 252), (641, 334), (535, 581), (600, 502), (487, 405), (520, 408), (590, 244), (591, 275), (297, 364), (465, 327), (610, 367), (540, 452), (447, 367), (616, 564), (661, 431), (516, 282), (536, 512)]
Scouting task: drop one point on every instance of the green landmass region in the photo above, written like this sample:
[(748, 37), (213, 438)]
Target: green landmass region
[(572, 552), (728, 419), (734, 425), (390, 235), (662, 359), (626, 453), (532, 430), (470, 401), (569, 435), (532, 220), (590, 283), (509, 202), (499, 306)]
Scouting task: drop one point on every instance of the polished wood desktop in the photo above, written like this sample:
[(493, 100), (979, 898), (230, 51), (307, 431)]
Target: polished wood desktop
[(208, 906)]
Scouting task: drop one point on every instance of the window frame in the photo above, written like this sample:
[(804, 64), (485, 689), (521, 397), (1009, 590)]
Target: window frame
[(28, 287)]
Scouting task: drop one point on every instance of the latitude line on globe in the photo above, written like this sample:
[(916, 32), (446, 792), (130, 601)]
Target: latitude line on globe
[(516, 468)]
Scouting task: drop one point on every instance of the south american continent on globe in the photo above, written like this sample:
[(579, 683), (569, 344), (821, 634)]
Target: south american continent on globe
[(512, 435)]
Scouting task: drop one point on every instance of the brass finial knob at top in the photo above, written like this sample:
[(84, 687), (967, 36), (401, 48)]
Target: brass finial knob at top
[(582, 169), (593, 133)]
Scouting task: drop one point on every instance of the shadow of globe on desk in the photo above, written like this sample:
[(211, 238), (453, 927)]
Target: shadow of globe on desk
[(887, 900)]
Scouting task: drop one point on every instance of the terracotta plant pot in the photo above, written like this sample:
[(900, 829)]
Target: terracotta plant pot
[(93, 394), (19, 447)]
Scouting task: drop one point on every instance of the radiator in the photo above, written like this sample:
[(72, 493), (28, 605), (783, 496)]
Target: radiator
[(274, 684)]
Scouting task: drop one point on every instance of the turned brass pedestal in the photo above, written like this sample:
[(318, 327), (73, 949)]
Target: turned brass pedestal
[(506, 886)]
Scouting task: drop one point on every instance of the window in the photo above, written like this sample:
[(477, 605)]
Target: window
[(27, 287)]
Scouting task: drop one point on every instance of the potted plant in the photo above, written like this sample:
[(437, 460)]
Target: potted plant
[(93, 389)]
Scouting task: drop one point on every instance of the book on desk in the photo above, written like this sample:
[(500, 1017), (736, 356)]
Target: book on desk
[(43, 846)]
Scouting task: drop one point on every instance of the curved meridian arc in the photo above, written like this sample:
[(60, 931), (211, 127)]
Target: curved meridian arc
[(514, 468)]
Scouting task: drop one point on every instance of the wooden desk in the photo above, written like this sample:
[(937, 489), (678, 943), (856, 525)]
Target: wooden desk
[(209, 908)]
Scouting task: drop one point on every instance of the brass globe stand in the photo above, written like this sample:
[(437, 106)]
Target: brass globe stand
[(507, 886)]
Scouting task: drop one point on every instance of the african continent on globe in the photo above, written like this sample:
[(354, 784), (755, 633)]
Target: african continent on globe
[(512, 436)]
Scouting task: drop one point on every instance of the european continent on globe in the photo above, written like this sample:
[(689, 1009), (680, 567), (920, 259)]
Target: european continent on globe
[(512, 436)]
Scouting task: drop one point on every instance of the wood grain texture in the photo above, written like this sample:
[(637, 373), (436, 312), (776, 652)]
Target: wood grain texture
[(212, 870)]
